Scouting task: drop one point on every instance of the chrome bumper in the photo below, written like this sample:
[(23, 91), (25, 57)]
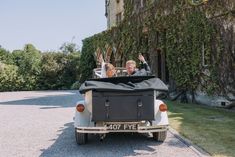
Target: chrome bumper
[(103, 130)]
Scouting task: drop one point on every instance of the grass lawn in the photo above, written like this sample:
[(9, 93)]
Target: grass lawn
[(210, 128)]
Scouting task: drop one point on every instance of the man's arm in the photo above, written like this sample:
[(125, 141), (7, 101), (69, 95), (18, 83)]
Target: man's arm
[(146, 67), (145, 64)]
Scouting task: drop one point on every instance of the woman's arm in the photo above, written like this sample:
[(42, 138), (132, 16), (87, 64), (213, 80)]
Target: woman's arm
[(103, 70)]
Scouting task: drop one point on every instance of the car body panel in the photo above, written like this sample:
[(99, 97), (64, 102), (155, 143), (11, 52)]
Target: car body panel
[(84, 123)]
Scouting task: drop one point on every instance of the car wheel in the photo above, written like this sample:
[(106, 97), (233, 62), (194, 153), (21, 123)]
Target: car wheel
[(160, 136), (81, 138)]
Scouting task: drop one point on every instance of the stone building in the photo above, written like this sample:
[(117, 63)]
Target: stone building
[(114, 10), (157, 56), (115, 14)]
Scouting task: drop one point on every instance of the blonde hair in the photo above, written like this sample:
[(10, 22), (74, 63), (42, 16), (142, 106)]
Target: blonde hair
[(110, 70), (109, 66), (131, 62)]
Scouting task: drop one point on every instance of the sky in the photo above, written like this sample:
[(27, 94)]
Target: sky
[(47, 24)]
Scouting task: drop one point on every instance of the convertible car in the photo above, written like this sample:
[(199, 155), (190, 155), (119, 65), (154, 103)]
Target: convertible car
[(121, 104)]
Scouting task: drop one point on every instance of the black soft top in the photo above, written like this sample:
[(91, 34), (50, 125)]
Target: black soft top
[(127, 83), (123, 79)]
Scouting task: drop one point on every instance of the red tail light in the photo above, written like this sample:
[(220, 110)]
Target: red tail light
[(80, 107), (163, 107)]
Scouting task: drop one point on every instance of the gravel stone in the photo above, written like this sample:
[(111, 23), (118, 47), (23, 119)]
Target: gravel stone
[(40, 123)]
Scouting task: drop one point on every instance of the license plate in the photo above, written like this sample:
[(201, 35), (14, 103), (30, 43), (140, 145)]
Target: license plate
[(121, 126)]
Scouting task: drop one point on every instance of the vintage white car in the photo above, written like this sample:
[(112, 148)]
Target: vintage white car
[(121, 104)]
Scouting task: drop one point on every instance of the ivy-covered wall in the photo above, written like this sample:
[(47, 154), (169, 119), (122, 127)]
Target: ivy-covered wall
[(196, 43)]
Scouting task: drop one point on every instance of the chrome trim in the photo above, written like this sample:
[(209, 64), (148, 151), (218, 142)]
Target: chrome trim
[(102, 130)]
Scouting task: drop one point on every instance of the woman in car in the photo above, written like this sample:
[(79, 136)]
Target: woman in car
[(107, 69)]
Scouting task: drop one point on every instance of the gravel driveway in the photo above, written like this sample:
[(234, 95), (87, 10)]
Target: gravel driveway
[(40, 123)]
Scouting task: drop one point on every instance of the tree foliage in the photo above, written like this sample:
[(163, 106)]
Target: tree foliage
[(28, 63), (9, 78), (58, 71), (29, 69), (69, 47), (5, 56), (87, 62)]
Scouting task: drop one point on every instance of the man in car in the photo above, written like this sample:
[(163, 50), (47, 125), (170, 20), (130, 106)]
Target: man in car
[(131, 67)]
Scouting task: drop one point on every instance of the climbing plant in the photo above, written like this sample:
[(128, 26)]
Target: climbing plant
[(87, 62), (187, 32)]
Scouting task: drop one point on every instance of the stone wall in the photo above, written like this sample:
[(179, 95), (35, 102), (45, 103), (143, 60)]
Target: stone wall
[(114, 7)]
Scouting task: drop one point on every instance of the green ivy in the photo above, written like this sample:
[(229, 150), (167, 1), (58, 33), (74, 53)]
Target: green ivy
[(180, 30), (87, 62)]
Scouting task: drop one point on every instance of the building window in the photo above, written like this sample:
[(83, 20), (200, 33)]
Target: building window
[(118, 18)]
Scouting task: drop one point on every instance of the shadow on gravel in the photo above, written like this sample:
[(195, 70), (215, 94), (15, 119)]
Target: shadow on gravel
[(49, 101), (112, 145), (115, 145)]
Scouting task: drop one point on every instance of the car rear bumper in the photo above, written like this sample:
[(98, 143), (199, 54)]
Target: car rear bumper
[(104, 129)]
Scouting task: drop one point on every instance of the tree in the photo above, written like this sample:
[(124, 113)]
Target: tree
[(69, 47), (28, 61), (87, 61), (71, 69), (9, 78), (58, 71), (5, 56), (50, 68)]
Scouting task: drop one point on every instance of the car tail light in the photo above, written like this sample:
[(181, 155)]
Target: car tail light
[(163, 107), (80, 107)]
